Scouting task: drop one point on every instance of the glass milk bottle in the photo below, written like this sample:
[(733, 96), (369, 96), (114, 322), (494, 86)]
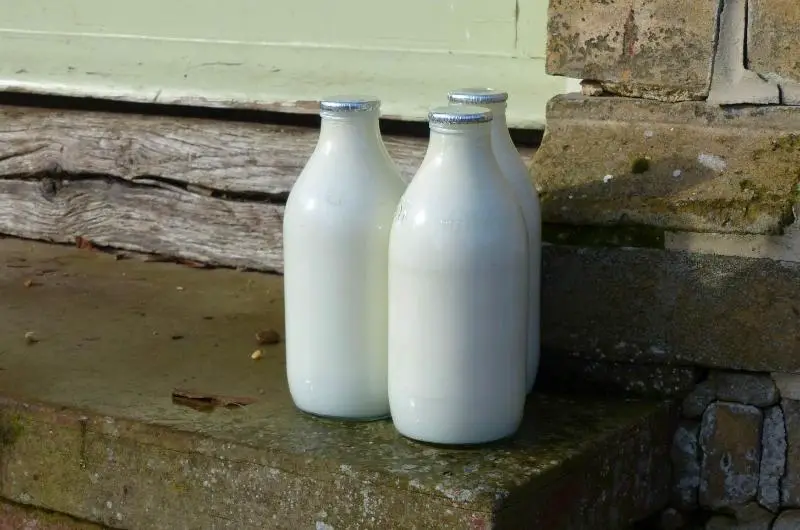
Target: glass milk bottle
[(458, 284), (336, 239), (527, 198)]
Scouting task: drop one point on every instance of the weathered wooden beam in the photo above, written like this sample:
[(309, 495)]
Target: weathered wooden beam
[(149, 219), (204, 190), (226, 156)]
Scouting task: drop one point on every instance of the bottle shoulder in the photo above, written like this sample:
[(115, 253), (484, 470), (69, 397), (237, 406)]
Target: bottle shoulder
[(333, 181), (468, 213), (336, 212), (466, 184)]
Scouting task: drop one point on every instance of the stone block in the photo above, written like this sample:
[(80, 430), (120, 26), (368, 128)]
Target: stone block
[(580, 376), (721, 522), (783, 247), (749, 389), (787, 520), (790, 485), (672, 519), (790, 92), (655, 306), (750, 516), (730, 438), (696, 402), (788, 385), (773, 459), (686, 465), (665, 47), (607, 161), (773, 41)]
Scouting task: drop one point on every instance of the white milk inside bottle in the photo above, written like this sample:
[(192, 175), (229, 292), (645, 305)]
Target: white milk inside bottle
[(336, 237), (458, 284), (518, 178)]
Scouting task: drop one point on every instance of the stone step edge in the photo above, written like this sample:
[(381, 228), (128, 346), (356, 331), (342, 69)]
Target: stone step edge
[(16, 516), (784, 247), (654, 427)]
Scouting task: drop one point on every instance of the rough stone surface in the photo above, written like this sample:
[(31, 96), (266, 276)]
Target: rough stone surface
[(591, 88), (696, 402), (116, 338), (773, 39), (773, 459), (667, 44), (730, 438), (749, 389), (790, 485), (607, 161), (750, 516), (788, 385), (721, 522), (655, 306), (787, 520), (18, 517), (790, 92), (686, 465), (657, 92), (783, 247), (672, 519), (574, 375)]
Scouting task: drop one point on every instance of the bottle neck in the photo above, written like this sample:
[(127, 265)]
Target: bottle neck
[(498, 115), (466, 142), (499, 125), (350, 129)]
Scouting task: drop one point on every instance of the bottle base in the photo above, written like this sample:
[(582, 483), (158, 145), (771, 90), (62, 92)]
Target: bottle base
[(462, 445), (345, 418), (458, 434), (470, 420)]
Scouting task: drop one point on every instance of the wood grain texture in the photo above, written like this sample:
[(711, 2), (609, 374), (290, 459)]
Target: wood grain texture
[(226, 156), (204, 190), (145, 219)]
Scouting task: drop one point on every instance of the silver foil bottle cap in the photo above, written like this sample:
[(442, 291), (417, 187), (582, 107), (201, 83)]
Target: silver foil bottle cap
[(477, 96), (459, 114), (349, 103)]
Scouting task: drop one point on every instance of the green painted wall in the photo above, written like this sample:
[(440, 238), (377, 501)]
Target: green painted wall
[(279, 55)]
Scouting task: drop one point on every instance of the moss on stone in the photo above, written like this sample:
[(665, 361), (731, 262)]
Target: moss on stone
[(787, 144), (790, 142), (10, 429), (781, 157), (746, 185), (751, 210), (640, 164), (656, 154), (603, 236)]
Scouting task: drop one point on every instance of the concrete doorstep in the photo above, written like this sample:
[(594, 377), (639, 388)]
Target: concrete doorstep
[(129, 398), (19, 517)]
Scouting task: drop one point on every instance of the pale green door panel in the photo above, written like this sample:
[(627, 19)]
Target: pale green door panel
[(532, 28), (457, 26), (279, 55)]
